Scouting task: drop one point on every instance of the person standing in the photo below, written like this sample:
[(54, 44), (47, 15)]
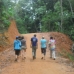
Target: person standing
[(43, 43), (52, 47), (34, 46), (17, 48), (23, 47)]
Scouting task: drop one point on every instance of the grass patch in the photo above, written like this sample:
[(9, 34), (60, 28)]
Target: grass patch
[(66, 54), (70, 56)]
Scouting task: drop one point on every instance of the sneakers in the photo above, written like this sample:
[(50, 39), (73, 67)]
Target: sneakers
[(15, 59), (24, 57), (50, 57), (42, 58), (54, 59), (34, 57)]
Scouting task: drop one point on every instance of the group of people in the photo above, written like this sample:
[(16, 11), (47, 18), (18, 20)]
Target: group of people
[(20, 47)]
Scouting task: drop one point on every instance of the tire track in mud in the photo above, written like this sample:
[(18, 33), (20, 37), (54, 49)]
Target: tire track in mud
[(6, 58)]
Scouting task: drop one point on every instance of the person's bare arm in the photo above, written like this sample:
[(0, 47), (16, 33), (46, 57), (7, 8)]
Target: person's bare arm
[(31, 44)]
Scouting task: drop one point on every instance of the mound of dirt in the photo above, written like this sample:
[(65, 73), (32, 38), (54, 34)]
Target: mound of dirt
[(12, 31), (9, 36), (63, 42)]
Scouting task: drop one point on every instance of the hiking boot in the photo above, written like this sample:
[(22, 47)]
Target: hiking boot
[(50, 57), (33, 57), (24, 57), (15, 59), (42, 58)]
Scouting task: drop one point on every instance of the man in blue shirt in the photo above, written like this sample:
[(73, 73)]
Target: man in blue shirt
[(34, 45), (43, 42), (17, 48)]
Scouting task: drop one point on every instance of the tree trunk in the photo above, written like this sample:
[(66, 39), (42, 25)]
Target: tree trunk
[(71, 7), (61, 25)]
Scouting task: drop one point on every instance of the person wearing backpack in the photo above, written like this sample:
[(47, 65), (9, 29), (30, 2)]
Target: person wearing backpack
[(17, 48), (43, 43), (34, 46), (52, 47), (23, 47)]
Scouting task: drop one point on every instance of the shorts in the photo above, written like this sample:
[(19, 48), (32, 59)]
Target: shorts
[(34, 47), (23, 47), (43, 50), (17, 52), (52, 49)]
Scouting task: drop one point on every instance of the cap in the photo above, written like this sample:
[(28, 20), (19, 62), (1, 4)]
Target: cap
[(16, 37)]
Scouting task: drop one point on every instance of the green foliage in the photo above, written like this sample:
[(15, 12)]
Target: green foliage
[(4, 22), (38, 15), (66, 54), (70, 56)]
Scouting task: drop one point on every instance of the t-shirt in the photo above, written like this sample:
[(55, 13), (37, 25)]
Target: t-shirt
[(43, 43), (52, 44), (17, 44), (23, 42), (34, 41)]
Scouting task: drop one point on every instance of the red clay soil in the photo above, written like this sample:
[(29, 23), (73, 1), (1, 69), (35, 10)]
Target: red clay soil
[(63, 42), (12, 31), (37, 66), (10, 36)]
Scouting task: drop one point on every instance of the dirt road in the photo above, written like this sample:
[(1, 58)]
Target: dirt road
[(29, 66)]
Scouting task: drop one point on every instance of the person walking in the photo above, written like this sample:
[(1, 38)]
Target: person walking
[(17, 48), (43, 43), (23, 47), (34, 46), (52, 47)]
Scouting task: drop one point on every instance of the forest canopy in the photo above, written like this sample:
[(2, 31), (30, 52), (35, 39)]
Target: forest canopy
[(38, 15)]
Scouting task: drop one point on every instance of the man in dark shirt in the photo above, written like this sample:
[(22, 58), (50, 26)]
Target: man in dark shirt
[(34, 45)]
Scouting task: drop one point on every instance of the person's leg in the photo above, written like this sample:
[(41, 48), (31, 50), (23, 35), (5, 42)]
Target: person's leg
[(15, 55), (18, 55), (21, 53), (24, 53), (33, 52), (50, 53), (53, 53), (42, 53)]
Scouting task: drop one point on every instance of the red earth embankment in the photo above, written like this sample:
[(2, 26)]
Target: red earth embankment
[(6, 39), (12, 31), (63, 42)]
